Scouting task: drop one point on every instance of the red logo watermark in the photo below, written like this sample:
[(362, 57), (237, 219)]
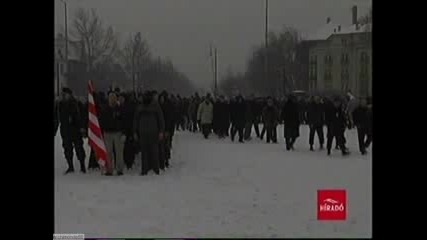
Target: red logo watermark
[(331, 204)]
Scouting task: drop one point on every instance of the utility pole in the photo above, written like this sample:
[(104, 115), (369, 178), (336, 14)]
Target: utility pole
[(266, 42), (216, 73), (66, 38)]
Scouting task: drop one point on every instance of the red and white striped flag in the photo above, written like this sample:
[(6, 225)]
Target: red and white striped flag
[(96, 140)]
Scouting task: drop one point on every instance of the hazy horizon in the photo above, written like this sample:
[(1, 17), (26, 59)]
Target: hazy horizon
[(183, 29)]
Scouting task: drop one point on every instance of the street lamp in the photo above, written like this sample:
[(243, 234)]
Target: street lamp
[(266, 41), (66, 36)]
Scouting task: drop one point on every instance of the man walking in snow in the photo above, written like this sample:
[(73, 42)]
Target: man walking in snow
[(237, 113), (291, 118), (316, 120), (336, 122), (149, 128), (112, 121), (167, 109), (361, 121), (70, 119), (270, 117), (205, 116)]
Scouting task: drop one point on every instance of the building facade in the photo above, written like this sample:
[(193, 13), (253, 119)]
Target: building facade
[(340, 59), (68, 75)]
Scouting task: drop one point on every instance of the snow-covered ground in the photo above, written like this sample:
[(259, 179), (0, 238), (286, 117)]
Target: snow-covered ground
[(217, 188)]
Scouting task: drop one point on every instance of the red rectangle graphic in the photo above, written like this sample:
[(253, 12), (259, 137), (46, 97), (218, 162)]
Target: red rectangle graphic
[(331, 204)]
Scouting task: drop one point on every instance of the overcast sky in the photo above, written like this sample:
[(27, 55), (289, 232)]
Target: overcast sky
[(183, 29)]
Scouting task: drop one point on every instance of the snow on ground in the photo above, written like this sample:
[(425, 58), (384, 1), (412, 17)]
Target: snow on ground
[(217, 188)]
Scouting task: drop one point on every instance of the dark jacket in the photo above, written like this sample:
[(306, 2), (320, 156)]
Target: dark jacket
[(168, 115), (112, 119), (290, 114), (316, 114), (249, 114), (270, 116), (149, 122), (335, 117), (257, 109), (129, 108), (216, 114), (69, 117), (224, 114), (192, 110), (238, 110), (360, 117), (370, 121)]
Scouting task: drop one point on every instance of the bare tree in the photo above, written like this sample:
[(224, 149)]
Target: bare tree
[(98, 42), (367, 18), (283, 63), (135, 56)]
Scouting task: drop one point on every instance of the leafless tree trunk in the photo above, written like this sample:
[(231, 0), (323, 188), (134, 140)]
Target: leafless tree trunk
[(135, 56), (99, 42)]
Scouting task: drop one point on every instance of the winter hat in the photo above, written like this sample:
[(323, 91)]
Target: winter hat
[(67, 90)]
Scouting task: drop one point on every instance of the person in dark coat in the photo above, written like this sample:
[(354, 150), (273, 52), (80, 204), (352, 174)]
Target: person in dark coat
[(238, 118), (149, 128), (165, 144), (128, 108), (270, 117), (316, 121), (263, 104), (192, 113), (251, 117), (370, 121), (224, 117), (291, 119), (361, 121), (335, 118), (179, 113), (72, 129), (258, 106), (216, 117)]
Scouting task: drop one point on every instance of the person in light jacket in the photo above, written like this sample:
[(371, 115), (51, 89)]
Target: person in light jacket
[(205, 116)]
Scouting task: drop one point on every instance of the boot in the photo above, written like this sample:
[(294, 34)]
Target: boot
[(69, 170), (311, 148), (321, 147), (345, 152), (329, 152), (120, 173), (82, 167), (70, 166)]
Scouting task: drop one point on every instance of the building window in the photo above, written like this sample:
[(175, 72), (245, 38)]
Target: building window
[(344, 42), (328, 59), (328, 79), (313, 68), (344, 59), (363, 74)]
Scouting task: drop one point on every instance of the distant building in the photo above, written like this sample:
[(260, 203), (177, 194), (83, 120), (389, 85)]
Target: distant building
[(67, 77), (340, 58), (109, 73)]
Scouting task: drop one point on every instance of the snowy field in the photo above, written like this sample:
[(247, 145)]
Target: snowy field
[(216, 188)]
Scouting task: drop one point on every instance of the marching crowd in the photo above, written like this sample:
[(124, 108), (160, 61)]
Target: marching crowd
[(146, 124)]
